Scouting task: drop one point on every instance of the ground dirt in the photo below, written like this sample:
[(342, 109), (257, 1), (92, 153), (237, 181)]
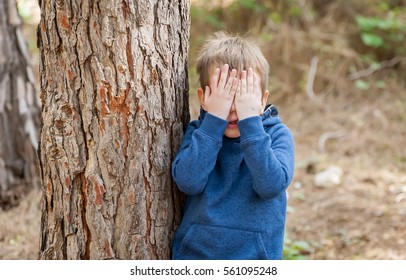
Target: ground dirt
[(364, 216), (361, 218)]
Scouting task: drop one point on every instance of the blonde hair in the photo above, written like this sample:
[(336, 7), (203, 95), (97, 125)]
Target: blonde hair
[(240, 53)]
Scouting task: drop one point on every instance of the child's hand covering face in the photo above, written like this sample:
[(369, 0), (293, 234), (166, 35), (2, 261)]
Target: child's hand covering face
[(219, 97), (248, 99)]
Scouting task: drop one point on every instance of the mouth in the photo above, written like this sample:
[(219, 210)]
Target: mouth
[(232, 123)]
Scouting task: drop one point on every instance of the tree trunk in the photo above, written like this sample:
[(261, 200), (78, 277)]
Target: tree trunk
[(19, 111), (114, 91)]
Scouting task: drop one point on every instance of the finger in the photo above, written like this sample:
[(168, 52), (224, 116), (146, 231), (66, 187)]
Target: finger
[(238, 89), (233, 73), (234, 86), (223, 76), (250, 81), (230, 82), (215, 78), (257, 86), (243, 82)]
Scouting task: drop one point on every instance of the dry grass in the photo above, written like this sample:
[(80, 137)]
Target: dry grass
[(19, 230)]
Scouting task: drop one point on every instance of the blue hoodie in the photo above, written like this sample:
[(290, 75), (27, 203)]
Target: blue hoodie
[(236, 201)]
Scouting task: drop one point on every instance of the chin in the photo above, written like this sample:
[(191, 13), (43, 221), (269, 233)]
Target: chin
[(232, 133)]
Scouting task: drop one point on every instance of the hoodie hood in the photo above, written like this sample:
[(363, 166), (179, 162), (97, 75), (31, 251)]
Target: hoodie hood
[(270, 115)]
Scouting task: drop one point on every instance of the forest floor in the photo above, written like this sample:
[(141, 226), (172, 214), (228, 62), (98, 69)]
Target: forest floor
[(363, 217)]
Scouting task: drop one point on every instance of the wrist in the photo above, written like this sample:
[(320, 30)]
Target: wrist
[(250, 127), (213, 126)]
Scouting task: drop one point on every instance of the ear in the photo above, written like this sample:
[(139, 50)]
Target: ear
[(200, 95), (264, 99)]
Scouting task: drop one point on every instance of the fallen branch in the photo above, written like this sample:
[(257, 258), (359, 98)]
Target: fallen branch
[(373, 68), (310, 81), (328, 135)]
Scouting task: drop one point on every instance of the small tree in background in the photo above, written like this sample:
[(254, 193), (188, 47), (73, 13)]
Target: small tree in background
[(19, 111)]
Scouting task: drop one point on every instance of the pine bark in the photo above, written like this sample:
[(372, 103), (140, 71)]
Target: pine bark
[(19, 111), (114, 91)]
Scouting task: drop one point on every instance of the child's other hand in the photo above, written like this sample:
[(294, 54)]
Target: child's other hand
[(248, 97), (219, 97)]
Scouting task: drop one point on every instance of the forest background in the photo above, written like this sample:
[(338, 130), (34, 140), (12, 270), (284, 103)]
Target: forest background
[(338, 74)]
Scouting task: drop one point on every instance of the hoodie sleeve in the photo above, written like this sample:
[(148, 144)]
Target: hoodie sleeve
[(197, 154), (269, 157)]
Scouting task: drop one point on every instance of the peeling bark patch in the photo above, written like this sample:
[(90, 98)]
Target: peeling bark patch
[(98, 189), (63, 21), (99, 194), (131, 199), (70, 75), (67, 182), (67, 110), (107, 249), (154, 76)]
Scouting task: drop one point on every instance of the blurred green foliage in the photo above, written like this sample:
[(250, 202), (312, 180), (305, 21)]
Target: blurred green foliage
[(29, 11), (379, 24), (385, 33), (296, 250)]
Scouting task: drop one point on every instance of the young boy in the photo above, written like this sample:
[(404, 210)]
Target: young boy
[(235, 161)]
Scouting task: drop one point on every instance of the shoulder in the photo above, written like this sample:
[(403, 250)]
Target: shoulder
[(280, 134), (279, 130)]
